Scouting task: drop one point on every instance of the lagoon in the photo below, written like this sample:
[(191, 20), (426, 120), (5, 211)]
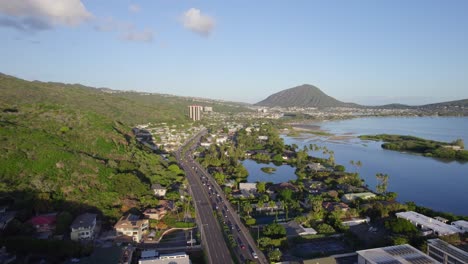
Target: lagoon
[(283, 173), (437, 184)]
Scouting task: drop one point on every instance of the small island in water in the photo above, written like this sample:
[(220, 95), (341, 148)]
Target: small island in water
[(269, 170), (429, 148)]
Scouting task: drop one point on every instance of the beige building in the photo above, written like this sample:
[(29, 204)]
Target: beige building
[(132, 226)]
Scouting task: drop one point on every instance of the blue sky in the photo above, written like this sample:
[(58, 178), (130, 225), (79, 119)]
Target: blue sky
[(411, 52)]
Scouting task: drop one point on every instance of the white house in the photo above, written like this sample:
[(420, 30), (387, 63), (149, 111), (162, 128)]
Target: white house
[(428, 223), (158, 190), (248, 186), (462, 225), (83, 227)]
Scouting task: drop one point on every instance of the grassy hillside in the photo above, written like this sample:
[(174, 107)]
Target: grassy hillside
[(70, 147), (128, 107)]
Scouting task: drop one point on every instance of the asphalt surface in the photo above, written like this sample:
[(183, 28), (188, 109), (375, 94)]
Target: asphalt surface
[(208, 195), (210, 230)]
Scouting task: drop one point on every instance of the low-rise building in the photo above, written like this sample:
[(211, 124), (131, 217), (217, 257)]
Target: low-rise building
[(83, 227), (44, 223), (354, 221), (401, 254), (427, 223), (155, 213), (446, 253), (462, 225), (350, 197), (158, 190), (294, 229), (332, 206), (173, 258), (132, 226), (248, 187)]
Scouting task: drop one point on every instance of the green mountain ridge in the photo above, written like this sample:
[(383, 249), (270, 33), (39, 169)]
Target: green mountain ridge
[(70, 147)]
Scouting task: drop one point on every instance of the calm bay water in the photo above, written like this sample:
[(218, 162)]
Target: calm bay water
[(437, 184), (283, 173)]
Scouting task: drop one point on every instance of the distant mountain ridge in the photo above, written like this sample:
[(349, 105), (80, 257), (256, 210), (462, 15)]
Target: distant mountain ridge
[(305, 95)]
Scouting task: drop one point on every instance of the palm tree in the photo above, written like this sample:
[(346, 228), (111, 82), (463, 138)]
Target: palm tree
[(247, 207)]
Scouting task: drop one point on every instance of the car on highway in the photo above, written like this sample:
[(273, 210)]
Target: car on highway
[(239, 242), (238, 228)]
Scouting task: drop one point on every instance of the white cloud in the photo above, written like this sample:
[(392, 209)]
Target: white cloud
[(134, 35), (134, 8), (197, 22), (126, 31), (35, 15)]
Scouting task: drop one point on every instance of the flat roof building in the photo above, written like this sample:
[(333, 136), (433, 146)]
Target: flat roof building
[(401, 254), (462, 225), (425, 222), (446, 253), (173, 258), (350, 197)]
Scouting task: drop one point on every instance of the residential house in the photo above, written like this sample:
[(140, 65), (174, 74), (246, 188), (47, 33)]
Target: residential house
[(83, 227), (429, 224), (354, 221), (462, 225), (315, 167), (248, 186), (351, 197), (132, 226), (294, 229), (155, 213), (282, 186), (315, 187), (247, 189), (158, 190), (332, 206), (44, 224), (266, 207)]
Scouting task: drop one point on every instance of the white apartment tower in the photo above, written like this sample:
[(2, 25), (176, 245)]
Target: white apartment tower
[(194, 112)]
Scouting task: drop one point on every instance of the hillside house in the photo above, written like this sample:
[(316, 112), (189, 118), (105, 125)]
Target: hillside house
[(158, 190), (132, 226), (83, 227), (44, 224)]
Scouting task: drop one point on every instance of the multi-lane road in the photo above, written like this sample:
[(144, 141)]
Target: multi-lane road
[(209, 198)]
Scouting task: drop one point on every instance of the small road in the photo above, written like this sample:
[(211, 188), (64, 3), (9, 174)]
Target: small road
[(203, 184)]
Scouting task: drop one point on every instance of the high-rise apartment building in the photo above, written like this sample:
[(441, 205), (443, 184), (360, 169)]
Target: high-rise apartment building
[(194, 112)]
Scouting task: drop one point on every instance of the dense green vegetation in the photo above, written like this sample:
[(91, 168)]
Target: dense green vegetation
[(70, 148), (429, 148), (269, 170)]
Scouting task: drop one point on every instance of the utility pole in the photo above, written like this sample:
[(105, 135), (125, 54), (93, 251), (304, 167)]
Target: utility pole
[(191, 238), (258, 234)]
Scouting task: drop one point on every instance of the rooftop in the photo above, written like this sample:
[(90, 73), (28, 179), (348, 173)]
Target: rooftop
[(449, 249), (401, 254), (84, 220), (461, 223), (428, 222)]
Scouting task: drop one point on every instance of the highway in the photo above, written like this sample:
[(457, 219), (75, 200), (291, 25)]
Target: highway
[(210, 230), (208, 195)]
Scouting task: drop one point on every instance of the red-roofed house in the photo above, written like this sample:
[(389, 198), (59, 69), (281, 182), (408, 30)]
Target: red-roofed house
[(44, 223)]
